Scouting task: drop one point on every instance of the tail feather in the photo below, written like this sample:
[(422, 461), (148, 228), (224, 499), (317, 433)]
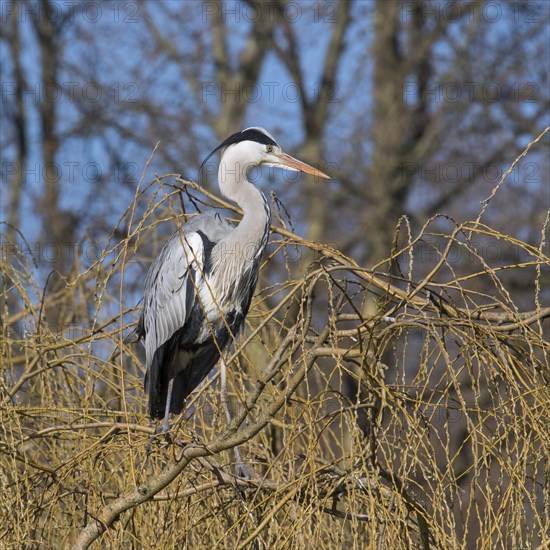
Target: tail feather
[(191, 368), (191, 376), (155, 388), (188, 364)]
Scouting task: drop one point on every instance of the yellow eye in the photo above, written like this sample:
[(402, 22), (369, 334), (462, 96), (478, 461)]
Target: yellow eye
[(269, 148)]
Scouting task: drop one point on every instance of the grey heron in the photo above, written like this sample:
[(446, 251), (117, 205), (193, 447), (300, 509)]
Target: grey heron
[(199, 288)]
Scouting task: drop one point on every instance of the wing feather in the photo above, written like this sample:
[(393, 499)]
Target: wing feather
[(170, 290)]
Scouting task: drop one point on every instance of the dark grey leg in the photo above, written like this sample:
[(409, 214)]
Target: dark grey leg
[(165, 423)]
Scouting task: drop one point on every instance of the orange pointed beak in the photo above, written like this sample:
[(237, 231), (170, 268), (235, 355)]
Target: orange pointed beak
[(298, 165)]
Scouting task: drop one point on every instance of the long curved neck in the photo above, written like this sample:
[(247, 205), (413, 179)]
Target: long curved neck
[(250, 236)]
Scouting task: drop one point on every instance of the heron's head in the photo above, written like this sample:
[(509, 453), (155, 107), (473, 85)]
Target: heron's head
[(256, 147)]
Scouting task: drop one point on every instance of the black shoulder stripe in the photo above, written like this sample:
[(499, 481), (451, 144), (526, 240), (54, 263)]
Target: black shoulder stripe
[(208, 246)]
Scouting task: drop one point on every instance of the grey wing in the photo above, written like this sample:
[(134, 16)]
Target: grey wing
[(170, 290)]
